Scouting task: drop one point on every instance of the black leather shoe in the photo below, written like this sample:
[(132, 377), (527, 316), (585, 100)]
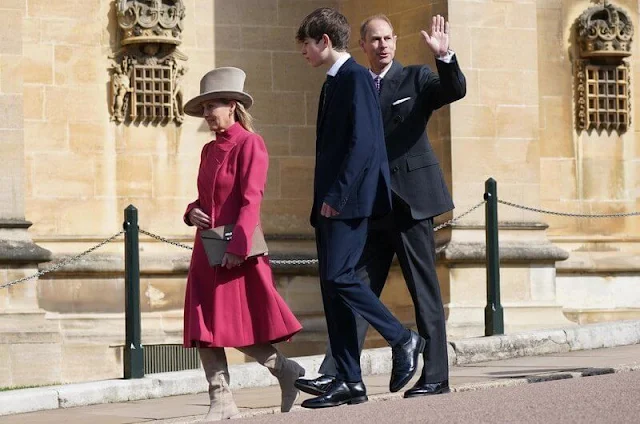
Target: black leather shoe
[(316, 386), (424, 389), (338, 394), (405, 361)]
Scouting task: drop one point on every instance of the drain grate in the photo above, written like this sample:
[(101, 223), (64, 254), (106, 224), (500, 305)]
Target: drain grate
[(169, 357)]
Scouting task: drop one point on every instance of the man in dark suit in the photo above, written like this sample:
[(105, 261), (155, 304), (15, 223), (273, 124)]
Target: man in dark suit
[(351, 184), (408, 96)]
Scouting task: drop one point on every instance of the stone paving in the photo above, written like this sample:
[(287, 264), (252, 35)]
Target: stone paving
[(257, 401)]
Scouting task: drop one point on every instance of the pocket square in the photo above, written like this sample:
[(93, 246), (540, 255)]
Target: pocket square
[(397, 102)]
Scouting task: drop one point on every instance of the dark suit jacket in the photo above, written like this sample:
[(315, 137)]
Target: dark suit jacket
[(351, 173), (416, 176)]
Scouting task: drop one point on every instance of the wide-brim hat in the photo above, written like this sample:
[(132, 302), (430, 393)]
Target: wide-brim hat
[(221, 83)]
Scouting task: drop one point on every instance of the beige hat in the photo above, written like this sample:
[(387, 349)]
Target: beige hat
[(221, 83)]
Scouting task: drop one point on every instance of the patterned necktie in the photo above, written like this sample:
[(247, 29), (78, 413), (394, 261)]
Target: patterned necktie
[(378, 82)]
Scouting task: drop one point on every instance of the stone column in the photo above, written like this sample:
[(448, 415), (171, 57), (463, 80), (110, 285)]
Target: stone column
[(19, 256), (495, 133)]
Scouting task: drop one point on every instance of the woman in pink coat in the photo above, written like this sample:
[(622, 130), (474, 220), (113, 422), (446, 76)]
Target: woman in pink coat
[(235, 304)]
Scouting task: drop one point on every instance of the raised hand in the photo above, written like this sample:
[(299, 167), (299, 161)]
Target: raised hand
[(438, 41)]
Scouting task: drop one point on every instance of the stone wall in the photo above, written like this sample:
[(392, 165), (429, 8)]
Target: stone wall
[(70, 146), (495, 128), (588, 172), (11, 115)]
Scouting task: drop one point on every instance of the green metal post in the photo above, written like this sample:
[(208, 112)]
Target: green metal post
[(493, 316), (133, 357)]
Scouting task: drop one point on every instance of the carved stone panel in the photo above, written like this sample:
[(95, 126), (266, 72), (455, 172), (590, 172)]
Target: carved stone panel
[(603, 97), (603, 77), (146, 75)]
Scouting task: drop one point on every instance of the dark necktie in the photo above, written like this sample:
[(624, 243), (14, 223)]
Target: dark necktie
[(378, 82), (323, 95)]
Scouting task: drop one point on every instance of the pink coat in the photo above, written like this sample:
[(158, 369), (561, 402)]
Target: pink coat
[(239, 306)]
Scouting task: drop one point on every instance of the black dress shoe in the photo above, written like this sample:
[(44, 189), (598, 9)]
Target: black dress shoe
[(316, 386), (405, 361), (338, 394), (423, 389)]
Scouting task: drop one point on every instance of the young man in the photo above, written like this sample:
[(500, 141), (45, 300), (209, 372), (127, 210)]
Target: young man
[(351, 185), (408, 96)]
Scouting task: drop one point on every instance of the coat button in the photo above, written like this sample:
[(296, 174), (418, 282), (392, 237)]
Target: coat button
[(398, 119), (395, 169)]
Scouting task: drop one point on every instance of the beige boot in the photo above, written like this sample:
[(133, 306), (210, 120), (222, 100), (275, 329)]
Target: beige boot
[(222, 406), (285, 370)]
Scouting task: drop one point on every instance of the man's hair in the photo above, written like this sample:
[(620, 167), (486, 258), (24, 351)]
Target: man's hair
[(326, 21), (365, 24)]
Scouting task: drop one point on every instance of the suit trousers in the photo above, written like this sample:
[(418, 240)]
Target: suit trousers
[(345, 295), (414, 244)]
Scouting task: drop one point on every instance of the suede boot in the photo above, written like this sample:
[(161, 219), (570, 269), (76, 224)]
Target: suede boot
[(285, 370), (222, 406)]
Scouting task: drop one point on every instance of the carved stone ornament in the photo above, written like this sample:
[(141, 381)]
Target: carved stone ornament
[(603, 96), (146, 74), (602, 75), (604, 30)]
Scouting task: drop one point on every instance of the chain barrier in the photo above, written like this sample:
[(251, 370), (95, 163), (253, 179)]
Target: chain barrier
[(303, 262), (575, 215), (163, 239), (453, 220), (63, 263), (295, 262), (306, 262), (290, 262)]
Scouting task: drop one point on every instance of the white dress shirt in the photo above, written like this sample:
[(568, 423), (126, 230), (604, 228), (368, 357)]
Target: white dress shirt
[(338, 64)]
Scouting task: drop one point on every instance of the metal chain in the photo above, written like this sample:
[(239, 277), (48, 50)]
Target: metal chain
[(307, 261), (63, 263), (452, 220), (272, 261), (293, 261), (577, 215), (166, 240)]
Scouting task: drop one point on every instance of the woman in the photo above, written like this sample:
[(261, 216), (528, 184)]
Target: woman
[(235, 304)]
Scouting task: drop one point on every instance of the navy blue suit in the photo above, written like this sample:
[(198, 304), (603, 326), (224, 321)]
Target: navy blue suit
[(352, 176), (352, 171)]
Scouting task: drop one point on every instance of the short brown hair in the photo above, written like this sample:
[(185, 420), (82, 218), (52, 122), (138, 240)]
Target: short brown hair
[(326, 21), (365, 24)]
